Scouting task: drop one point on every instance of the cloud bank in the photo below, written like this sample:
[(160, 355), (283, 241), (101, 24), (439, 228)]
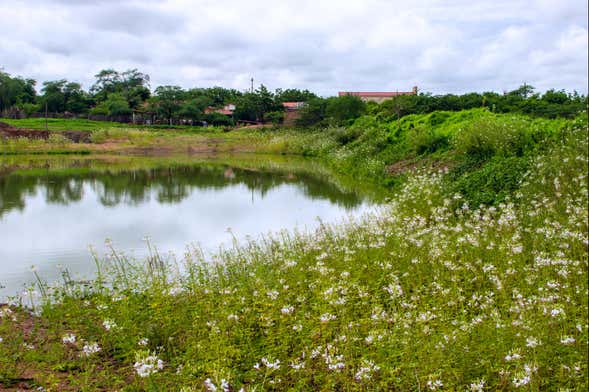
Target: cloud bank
[(322, 45)]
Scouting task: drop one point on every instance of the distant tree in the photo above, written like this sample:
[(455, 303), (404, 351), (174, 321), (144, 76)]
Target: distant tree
[(114, 105), (117, 105), (193, 109), (107, 81), (131, 84), (253, 106), (399, 106), (53, 97), (14, 91), (76, 99), (293, 95), (344, 108), (275, 117), (221, 96), (168, 100), (312, 113), (215, 118)]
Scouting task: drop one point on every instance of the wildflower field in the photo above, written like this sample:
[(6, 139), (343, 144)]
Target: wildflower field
[(473, 278)]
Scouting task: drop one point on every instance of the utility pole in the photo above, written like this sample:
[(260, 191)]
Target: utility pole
[(252, 89)]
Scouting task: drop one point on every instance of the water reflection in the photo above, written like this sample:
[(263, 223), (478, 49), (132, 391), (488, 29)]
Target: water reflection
[(169, 185), (50, 214)]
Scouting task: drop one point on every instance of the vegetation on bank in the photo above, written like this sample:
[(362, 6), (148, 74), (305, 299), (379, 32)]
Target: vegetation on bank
[(473, 278), (486, 153), (117, 95)]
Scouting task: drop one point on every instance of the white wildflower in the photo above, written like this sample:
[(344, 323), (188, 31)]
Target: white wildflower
[(148, 365), (109, 324), (272, 294), (513, 357), (326, 317), (521, 380), (68, 338), (532, 342), (478, 386), (233, 317), (89, 349), (365, 372), (434, 385), (567, 340), (225, 385), (287, 310), (270, 364), (209, 386), (556, 312)]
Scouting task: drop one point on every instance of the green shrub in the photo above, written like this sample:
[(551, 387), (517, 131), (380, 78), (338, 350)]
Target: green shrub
[(345, 135), (422, 140), (488, 136), (58, 139), (493, 182)]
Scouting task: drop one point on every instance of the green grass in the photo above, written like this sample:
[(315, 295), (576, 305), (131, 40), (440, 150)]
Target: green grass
[(61, 124), (432, 293)]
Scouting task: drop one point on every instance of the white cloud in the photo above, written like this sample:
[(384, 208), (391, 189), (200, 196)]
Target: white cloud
[(321, 45)]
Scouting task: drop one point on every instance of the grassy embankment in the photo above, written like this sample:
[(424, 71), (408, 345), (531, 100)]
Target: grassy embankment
[(437, 292)]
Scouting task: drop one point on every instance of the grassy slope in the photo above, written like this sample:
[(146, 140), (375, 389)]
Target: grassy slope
[(433, 293), (58, 124)]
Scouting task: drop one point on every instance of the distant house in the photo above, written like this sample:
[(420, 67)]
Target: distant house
[(226, 110), (291, 106), (377, 97), (291, 112)]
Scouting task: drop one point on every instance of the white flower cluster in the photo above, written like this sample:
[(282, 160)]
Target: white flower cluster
[(89, 349), (148, 365), (68, 339)]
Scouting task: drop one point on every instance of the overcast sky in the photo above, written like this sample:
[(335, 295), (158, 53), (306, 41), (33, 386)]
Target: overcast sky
[(323, 45)]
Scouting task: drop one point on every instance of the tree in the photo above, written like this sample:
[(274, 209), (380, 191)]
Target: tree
[(131, 84), (107, 81), (344, 108), (15, 91), (312, 113), (253, 106), (76, 99), (193, 109), (53, 97), (167, 101), (114, 105), (220, 96), (293, 95)]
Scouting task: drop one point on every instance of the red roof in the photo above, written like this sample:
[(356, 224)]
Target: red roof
[(293, 105)]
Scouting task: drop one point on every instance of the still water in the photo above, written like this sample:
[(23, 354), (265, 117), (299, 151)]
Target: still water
[(52, 211)]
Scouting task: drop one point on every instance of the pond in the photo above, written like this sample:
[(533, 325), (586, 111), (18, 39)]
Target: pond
[(53, 209)]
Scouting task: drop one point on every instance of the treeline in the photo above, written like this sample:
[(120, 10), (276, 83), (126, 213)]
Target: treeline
[(123, 93), (117, 93), (341, 110)]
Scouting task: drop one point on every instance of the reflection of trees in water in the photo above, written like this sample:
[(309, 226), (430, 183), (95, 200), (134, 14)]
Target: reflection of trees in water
[(170, 185)]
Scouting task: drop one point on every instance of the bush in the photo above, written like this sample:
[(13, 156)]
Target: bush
[(274, 117), (488, 136), (493, 182), (422, 140), (58, 139), (345, 135)]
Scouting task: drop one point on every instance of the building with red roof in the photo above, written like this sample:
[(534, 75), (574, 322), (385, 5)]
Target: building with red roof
[(377, 96)]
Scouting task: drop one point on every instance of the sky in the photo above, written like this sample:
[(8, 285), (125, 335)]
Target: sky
[(325, 46)]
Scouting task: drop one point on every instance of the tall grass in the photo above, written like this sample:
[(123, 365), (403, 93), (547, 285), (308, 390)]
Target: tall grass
[(432, 293)]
